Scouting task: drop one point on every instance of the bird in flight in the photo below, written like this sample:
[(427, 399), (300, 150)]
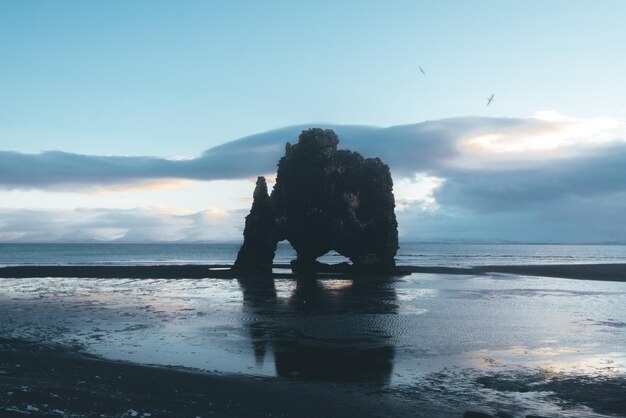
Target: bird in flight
[(489, 100), (422, 71)]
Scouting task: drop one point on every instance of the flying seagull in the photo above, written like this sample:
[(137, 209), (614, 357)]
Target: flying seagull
[(489, 100), (422, 71)]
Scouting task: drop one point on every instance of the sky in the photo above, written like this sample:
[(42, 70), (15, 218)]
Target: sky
[(142, 121)]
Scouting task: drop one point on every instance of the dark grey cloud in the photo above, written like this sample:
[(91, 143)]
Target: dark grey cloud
[(572, 219), (425, 146), (597, 174), (64, 170)]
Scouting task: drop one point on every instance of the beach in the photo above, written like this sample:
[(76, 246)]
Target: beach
[(129, 340), (54, 381), (607, 272)]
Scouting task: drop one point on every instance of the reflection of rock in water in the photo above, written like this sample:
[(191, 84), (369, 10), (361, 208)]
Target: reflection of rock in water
[(259, 295), (336, 363), (327, 329)]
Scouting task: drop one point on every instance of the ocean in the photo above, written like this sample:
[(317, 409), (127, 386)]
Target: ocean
[(451, 255)]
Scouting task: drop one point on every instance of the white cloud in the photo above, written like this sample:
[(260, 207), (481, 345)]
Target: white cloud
[(558, 136), (141, 187), (128, 225), (417, 192), (194, 196)]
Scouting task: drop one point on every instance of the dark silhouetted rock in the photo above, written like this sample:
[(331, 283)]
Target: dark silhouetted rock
[(324, 199), (259, 243)]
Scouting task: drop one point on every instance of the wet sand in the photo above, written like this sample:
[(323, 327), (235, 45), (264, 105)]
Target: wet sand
[(604, 272), (431, 345), (52, 381), (41, 380)]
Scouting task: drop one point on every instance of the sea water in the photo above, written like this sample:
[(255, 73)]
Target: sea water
[(452, 255)]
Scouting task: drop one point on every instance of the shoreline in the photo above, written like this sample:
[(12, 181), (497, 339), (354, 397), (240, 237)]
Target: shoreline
[(51, 326), (44, 380), (53, 380), (601, 272)]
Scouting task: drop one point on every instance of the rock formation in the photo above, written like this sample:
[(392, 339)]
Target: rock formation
[(324, 199), (259, 243)]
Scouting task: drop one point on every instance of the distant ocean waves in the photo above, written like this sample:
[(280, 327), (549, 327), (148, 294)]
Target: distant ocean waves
[(451, 255), (467, 255)]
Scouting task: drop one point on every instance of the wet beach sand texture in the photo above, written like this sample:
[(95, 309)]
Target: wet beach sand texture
[(605, 272)]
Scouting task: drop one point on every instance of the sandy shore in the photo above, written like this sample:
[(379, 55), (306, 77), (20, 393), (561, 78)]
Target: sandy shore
[(606, 272), (41, 380), (52, 381)]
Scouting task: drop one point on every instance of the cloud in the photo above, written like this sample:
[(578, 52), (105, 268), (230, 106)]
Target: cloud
[(122, 225), (559, 136), (417, 193), (432, 147), (546, 178), (597, 174), (143, 186), (572, 219)]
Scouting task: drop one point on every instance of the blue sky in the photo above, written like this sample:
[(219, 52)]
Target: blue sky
[(174, 79)]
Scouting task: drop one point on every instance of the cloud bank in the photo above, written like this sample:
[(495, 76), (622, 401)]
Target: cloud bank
[(433, 147), (547, 178)]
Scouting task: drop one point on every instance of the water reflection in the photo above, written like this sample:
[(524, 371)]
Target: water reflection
[(324, 329)]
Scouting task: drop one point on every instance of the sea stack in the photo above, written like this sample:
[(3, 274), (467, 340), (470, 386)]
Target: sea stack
[(259, 242), (324, 199)]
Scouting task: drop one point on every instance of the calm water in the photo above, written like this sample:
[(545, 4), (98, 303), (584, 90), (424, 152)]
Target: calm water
[(428, 336), (409, 254)]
